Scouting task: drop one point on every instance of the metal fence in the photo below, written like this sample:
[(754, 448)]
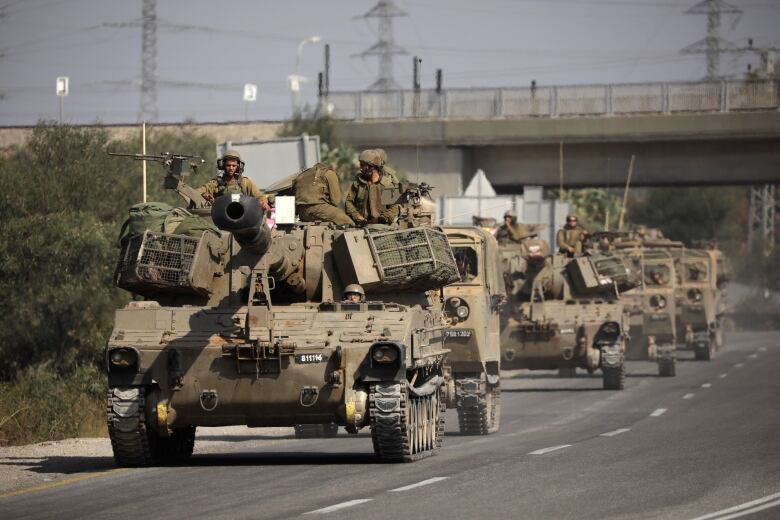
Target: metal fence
[(556, 101)]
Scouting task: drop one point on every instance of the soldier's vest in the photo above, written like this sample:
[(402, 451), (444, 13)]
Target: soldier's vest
[(311, 186), (229, 188)]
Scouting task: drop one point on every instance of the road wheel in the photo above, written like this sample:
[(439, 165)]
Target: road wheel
[(614, 377), (567, 372), (667, 367)]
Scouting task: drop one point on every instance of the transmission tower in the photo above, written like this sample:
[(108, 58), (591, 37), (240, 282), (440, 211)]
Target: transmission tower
[(149, 60), (385, 48), (762, 217), (713, 45)]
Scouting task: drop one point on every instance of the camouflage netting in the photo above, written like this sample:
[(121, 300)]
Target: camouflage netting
[(156, 260), (420, 258)]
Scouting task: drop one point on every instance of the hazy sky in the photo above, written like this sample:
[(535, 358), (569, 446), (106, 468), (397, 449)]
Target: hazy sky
[(230, 42)]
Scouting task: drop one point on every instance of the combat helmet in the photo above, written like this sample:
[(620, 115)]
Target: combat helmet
[(373, 157), (355, 288), (231, 154), (511, 214)]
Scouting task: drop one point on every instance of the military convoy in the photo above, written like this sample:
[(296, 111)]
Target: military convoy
[(235, 322), (472, 308), (245, 326), (563, 313)]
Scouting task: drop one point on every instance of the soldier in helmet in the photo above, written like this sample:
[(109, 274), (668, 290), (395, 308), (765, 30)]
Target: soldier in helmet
[(364, 202), (354, 293), (230, 180), (571, 237), (510, 230), (318, 195), (464, 265)]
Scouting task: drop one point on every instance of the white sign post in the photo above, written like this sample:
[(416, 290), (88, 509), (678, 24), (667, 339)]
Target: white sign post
[(62, 90), (250, 96)]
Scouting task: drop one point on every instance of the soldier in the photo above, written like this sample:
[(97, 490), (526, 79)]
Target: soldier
[(354, 293), (318, 195), (510, 230), (364, 204), (465, 266), (230, 180), (570, 237)]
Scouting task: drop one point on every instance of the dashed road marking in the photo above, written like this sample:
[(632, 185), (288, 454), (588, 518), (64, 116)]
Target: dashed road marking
[(748, 508), (739, 365), (337, 507), (706, 385), (722, 376), (420, 484), (659, 412), (762, 349), (688, 396), (548, 450), (615, 432), (753, 356)]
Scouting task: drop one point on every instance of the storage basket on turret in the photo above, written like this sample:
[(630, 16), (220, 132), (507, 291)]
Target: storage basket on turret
[(419, 258), (160, 262)]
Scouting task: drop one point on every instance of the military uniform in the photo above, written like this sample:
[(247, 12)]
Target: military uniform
[(217, 187), (569, 240), (513, 233), (364, 200), (318, 195)]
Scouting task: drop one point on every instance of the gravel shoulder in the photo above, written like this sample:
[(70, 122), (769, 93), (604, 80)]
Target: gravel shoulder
[(39, 464)]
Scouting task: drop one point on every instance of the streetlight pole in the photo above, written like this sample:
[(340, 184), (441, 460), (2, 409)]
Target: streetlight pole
[(296, 79)]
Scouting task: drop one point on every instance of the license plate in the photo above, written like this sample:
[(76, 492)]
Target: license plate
[(458, 333), (303, 359)]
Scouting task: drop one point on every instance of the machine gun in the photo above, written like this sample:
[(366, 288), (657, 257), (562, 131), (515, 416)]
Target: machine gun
[(175, 169)]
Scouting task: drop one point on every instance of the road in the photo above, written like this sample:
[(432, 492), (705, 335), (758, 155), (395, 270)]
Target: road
[(703, 444)]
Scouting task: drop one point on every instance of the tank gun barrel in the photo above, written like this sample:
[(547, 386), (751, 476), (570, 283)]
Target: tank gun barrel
[(242, 216)]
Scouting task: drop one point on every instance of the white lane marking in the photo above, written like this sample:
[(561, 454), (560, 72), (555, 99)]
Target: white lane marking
[(548, 450), (722, 376), (688, 396), (706, 385), (659, 412), (420, 484), (739, 365), (753, 356), (751, 510), (743, 507), (337, 507), (762, 349), (615, 432)]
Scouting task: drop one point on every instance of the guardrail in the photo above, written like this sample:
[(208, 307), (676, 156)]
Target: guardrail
[(556, 101)]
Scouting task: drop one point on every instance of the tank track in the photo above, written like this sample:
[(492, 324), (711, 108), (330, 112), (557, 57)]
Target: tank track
[(133, 443), (667, 367), (614, 377), (404, 428), (316, 431), (478, 406)]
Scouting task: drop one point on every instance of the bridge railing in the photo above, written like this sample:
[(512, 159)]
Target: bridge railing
[(556, 101)]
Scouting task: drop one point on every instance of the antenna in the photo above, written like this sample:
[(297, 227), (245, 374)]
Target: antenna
[(385, 48)]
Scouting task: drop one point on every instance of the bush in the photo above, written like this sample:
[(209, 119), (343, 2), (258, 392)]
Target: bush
[(40, 404)]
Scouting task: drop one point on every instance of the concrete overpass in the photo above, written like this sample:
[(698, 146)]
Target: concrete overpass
[(681, 134)]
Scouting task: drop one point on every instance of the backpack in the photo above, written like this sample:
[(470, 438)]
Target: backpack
[(162, 218)]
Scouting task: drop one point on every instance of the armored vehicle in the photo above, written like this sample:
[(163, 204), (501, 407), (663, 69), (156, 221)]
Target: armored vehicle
[(652, 307), (700, 300), (472, 307), (563, 313), (245, 325)]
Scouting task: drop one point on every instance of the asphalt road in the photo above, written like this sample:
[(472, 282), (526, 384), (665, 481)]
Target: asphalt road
[(705, 444)]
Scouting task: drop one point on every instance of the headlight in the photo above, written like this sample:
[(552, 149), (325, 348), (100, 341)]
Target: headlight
[(694, 295), (658, 302), (384, 353), (123, 357), (455, 302), (462, 312)]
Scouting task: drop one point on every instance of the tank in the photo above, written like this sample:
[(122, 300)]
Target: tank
[(564, 313), (246, 326), (651, 307), (702, 273), (472, 308)]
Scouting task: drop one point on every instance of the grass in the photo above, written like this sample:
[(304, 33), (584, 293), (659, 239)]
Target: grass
[(42, 405)]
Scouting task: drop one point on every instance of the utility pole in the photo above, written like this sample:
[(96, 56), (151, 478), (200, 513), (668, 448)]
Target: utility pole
[(149, 61), (762, 217), (712, 45), (385, 48)]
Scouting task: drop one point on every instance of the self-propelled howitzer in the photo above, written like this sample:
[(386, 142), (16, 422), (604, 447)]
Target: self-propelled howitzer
[(247, 327)]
